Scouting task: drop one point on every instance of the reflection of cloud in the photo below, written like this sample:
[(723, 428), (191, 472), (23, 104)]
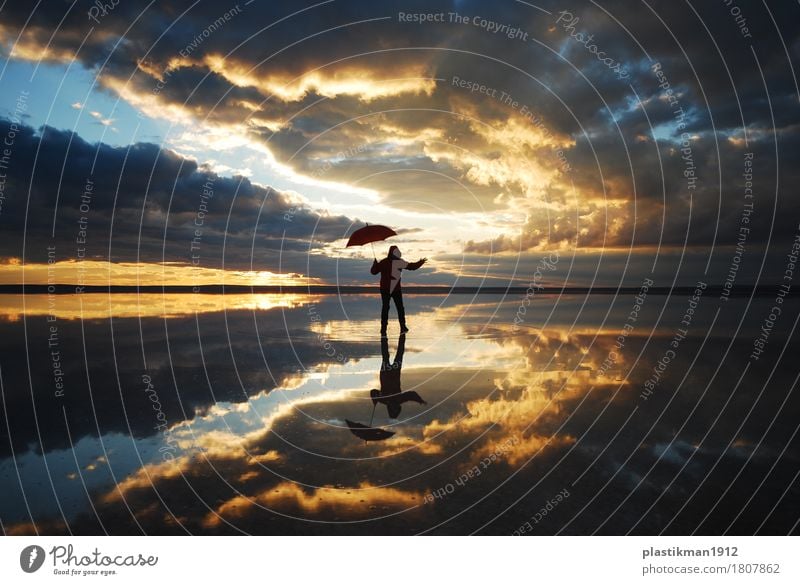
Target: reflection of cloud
[(217, 446), (551, 369), (358, 501), (128, 305), (41, 527), (296, 461), (146, 477), (402, 443), (101, 272), (521, 418)]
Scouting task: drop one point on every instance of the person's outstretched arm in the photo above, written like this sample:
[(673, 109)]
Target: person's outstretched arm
[(411, 396), (417, 264), (375, 267)]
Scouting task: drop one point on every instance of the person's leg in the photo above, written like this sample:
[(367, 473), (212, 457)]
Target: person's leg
[(401, 350), (401, 311), (384, 311), (385, 363)]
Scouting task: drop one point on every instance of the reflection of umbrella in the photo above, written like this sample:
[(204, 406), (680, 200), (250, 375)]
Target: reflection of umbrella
[(368, 433), (369, 234)]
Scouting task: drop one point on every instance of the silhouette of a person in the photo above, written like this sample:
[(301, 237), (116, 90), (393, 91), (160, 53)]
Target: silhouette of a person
[(389, 268), (391, 393)]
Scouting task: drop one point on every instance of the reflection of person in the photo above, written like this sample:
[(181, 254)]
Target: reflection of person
[(390, 393), (389, 269)]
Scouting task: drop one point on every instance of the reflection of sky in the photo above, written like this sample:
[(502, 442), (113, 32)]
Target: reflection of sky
[(73, 472), (227, 421), (127, 305), (533, 396)]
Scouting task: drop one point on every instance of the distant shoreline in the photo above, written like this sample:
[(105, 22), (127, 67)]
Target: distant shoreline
[(215, 289)]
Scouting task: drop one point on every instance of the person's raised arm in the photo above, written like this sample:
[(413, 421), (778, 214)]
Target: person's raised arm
[(375, 267), (417, 264)]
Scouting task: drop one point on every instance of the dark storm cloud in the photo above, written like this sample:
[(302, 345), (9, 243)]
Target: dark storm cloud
[(714, 66), (146, 203)]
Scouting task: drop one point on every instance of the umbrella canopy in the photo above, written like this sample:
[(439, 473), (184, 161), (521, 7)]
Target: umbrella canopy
[(368, 433), (369, 234)]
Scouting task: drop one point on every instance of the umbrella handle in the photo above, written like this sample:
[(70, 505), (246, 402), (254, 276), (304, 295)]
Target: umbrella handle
[(374, 404)]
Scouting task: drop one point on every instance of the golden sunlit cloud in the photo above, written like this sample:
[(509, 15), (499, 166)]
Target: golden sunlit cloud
[(29, 47), (218, 446), (217, 136), (104, 273), (366, 84)]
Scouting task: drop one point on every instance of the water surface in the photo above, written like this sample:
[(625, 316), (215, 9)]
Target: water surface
[(131, 414)]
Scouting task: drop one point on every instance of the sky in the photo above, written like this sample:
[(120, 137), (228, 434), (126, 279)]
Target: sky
[(199, 142)]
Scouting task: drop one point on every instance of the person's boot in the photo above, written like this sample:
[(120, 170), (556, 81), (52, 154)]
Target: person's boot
[(403, 328)]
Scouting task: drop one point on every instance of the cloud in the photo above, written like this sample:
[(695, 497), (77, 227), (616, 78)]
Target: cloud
[(143, 203), (328, 80)]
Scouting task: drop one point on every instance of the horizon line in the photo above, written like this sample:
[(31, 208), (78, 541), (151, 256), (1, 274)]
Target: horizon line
[(61, 289)]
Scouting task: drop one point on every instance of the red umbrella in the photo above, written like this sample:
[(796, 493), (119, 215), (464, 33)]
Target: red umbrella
[(369, 234)]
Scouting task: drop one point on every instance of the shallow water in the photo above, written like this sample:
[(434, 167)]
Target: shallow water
[(228, 415)]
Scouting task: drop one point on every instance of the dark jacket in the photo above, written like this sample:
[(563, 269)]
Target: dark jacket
[(391, 393), (384, 267)]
